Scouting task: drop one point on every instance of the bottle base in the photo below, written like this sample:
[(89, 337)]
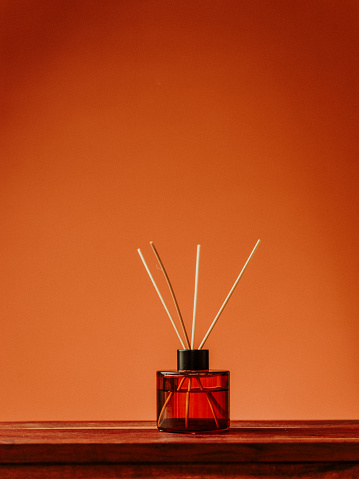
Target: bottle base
[(195, 426)]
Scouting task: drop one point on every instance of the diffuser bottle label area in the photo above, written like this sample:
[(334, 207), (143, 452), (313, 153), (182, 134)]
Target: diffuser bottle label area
[(193, 401)]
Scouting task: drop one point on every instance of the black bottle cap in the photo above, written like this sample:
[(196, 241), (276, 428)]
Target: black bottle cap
[(192, 359)]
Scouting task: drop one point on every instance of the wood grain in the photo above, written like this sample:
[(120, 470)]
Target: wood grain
[(305, 449)]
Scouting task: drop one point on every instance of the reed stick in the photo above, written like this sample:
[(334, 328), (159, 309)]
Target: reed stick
[(209, 399), (195, 296), (172, 292), (228, 297), (160, 296), (187, 401), (168, 398)]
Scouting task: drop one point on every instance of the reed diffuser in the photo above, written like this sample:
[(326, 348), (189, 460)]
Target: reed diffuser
[(193, 398)]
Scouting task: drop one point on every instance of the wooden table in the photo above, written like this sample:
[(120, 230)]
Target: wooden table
[(261, 449)]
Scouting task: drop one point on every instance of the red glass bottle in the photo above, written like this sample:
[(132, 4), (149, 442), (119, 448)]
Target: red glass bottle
[(193, 398)]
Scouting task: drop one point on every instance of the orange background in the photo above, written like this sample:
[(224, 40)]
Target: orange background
[(214, 122)]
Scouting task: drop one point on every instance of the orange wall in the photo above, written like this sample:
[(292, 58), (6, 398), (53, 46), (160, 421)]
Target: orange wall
[(211, 122)]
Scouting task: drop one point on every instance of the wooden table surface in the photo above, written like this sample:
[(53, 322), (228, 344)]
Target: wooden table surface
[(265, 449)]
